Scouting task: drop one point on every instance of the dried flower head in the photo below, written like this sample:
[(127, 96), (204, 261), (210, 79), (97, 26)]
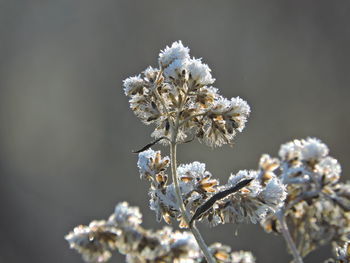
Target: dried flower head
[(253, 202), (95, 241), (177, 98), (124, 233), (317, 206)]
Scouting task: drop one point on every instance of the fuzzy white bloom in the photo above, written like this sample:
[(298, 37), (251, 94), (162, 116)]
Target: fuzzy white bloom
[(94, 242), (240, 106), (151, 73), (290, 150), (313, 149), (241, 110), (221, 105), (330, 168), (199, 72), (194, 177), (242, 175), (150, 163), (236, 107), (125, 215), (184, 239), (274, 193), (194, 170), (224, 119), (175, 69), (143, 162), (253, 202), (133, 85), (176, 51)]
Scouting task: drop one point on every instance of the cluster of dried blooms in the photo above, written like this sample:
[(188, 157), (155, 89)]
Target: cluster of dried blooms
[(179, 93), (301, 188), (122, 232), (262, 196), (317, 207)]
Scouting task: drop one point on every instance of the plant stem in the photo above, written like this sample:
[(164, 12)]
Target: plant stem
[(287, 236), (181, 205)]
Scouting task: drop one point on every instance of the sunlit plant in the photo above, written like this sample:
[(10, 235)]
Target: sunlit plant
[(297, 195)]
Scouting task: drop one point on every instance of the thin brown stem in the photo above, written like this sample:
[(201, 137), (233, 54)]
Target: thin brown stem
[(288, 237), (181, 205)]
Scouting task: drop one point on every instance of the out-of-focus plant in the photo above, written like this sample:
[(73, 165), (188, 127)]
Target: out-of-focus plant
[(300, 191)]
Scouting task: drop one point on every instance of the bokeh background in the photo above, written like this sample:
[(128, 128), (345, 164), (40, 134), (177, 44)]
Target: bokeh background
[(66, 131)]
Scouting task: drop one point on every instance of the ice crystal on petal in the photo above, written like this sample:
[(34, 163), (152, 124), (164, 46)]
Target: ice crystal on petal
[(224, 119), (274, 193), (126, 216), (151, 164), (199, 73), (290, 151), (176, 51), (151, 73), (133, 85), (176, 70), (95, 241), (313, 149), (329, 168)]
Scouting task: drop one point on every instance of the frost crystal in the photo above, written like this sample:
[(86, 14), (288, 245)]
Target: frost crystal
[(133, 85), (199, 73), (151, 165), (176, 51), (126, 216)]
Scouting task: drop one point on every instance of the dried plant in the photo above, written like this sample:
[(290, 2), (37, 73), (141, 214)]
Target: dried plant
[(299, 191)]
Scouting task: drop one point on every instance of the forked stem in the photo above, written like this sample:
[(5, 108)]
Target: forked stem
[(287, 236), (181, 205)]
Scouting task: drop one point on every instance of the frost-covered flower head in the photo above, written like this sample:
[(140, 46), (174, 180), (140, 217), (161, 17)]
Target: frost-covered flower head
[(178, 99), (224, 120), (172, 53), (310, 149), (124, 215), (195, 177), (151, 165), (317, 206), (123, 232), (133, 85), (196, 186), (95, 241), (199, 73), (253, 202)]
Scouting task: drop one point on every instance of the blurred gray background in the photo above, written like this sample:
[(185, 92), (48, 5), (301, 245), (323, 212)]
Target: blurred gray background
[(66, 131)]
